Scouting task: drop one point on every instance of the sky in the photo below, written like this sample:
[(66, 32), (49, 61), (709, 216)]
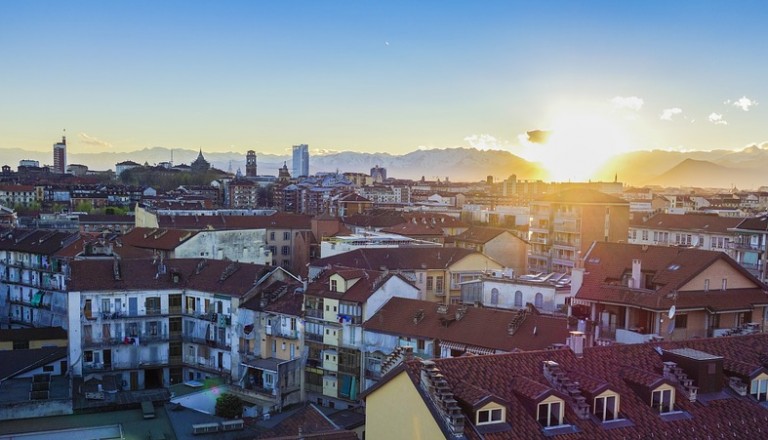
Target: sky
[(384, 76)]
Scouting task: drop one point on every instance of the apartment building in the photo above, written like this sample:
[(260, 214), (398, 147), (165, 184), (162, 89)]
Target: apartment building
[(436, 272), (33, 277), (706, 388), (703, 231), (335, 306), (149, 324), (564, 225), (637, 293), (500, 244), (750, 245)]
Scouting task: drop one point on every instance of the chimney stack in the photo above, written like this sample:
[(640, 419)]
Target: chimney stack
[(637, 273), (576, 343)]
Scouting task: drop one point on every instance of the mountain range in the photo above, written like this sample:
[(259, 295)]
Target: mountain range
[(743, 169)]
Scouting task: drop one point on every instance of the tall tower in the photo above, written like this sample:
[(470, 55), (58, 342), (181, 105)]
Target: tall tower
[(60, 156), (250, 164), (300, 160)]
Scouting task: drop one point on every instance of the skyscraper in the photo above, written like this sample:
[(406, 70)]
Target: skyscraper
[(300, 160), (60, 156), (250, 164)]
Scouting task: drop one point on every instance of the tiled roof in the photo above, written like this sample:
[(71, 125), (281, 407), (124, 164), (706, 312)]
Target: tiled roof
[(97, 218), (276, 221), (19, 361), (479, 327), (375, 219), (32, 334), (367, 283), (669, 269), (518, 377), (757, 224), (415, 229), (309, 423), (153, 238), (582, 196), (706, 223), (396, 258), (216, 276), (480, 234), (37, 241)]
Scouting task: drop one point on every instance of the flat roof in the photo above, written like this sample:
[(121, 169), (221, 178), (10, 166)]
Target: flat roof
[(694, 354)]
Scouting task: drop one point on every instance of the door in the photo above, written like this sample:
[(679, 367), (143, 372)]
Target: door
[(133, 306), (134, 380), (107, 359), (220, 360)]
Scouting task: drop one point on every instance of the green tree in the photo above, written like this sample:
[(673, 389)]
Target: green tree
[(229, 406)]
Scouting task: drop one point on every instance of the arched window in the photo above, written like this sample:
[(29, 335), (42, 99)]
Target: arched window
[(518, 299), (539, 300), (495, 296)]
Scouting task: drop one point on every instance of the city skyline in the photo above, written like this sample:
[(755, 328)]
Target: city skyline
[(384, 77)]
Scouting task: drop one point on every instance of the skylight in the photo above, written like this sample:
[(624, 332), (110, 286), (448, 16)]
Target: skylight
[(673, 267)]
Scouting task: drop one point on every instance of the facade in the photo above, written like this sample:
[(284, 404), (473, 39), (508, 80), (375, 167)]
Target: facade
[(750, 245), (335, 305), (17, 195), (617, 392), (437, 272), (635, 293), (300, 164), (125, 166), (152, 324), (33, 278), (564, 225), (60, 156), (703, 231), (547, 293), (500, 244), (243, 194)]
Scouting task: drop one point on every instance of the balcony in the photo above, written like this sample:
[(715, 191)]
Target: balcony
[(90, 367), (202, 363), (567, 245), (314, 337), (281, 332), (745, 245), (202, 341), (314, 313)]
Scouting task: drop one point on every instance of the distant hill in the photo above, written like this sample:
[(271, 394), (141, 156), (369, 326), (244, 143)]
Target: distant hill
[(701, 173)]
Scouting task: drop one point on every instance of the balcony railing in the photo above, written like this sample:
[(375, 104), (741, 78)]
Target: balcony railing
[(314, 313), (313, 337), (129, 365), (202, 341)]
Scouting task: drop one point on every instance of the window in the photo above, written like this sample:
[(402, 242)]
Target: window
[(334, 286), (430, 284), (518, 299), (725, 284), (538, 300), (105, 305), (286, 235), (272, 236), (681, 321), (706, 285), (494, 415), (605, 408), (439, 284), (420, 344), (285, 250), (495, 296), (759, 388), (550, 414), (661, 400), (645, 234)]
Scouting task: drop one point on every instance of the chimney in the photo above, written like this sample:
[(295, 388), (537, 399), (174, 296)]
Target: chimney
[(637, 274), (576, 342)]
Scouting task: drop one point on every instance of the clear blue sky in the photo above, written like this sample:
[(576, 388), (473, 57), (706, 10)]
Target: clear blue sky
[(385, 76)]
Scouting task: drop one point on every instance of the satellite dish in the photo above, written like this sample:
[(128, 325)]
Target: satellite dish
[(671, 312)]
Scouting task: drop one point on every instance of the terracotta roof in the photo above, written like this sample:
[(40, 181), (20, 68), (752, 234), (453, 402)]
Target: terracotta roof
[(415, 229), (368, 281), (479, 327), (582, 196), (16, 362), (276, 221), (37, 241), (217, 276), (396, 258), (154, 238), (518, 377), (376, 219), (33, 334), (707, 223), (758, 224), (668, 268), (307, 422), (481, 234)]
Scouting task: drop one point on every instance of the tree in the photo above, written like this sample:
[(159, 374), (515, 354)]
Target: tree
[(229, 406)]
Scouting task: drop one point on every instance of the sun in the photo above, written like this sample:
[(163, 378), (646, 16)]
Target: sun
[(579, 144)]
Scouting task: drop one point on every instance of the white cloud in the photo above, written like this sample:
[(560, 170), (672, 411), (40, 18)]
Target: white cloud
[(744, 103), (668, 113), (486, 142), (87, 139), (717, 118), (627, 103)]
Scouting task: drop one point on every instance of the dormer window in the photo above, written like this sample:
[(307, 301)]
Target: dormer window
[(492, 415), (759, 388), (550, 412), (663, 400), (606, 407)]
